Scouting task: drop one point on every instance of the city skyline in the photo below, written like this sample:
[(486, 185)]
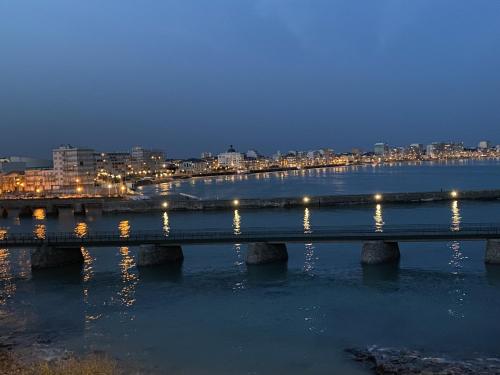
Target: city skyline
[(192, 76), (198, 153)]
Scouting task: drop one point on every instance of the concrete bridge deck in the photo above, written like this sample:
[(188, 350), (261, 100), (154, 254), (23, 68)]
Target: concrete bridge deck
[(265, 245), (391, 233)]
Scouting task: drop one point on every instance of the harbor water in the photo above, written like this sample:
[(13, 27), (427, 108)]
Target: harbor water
[(216, 315)]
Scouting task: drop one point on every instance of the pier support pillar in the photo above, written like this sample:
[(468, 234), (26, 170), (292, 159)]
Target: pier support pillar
[(264, 252), (79, 209), (4, 213), (380, 252), (492, 255), (26, 211), (50, 257), (51, 210), (152, 255)]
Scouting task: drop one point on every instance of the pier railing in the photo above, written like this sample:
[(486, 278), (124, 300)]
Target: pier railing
[(408, 232)]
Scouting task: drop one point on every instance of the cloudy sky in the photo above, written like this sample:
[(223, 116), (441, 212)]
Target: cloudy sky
[(197, 75)]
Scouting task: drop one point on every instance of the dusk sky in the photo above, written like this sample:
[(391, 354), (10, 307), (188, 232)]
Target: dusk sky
[(189, 76)]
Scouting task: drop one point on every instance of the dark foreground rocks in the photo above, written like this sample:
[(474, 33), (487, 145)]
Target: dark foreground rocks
[(388, 361)]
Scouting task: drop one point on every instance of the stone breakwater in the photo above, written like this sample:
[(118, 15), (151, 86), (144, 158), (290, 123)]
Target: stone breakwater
[(385, 361), (189, 204), (177, 202)]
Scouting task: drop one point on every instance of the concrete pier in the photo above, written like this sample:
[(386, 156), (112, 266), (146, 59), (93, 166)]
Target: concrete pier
[(380, 252), (264, 252), (492, 255), (153, 255), (50, 257)]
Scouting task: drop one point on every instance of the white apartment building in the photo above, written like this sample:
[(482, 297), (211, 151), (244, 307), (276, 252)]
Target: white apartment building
[(230, 159), (74, 167)]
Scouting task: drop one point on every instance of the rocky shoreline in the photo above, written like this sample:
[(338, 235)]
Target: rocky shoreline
[(390, 361)]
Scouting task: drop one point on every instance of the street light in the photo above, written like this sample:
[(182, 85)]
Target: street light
[(306, 199), (164, 204), (236, 202), (454, 194), (378, 197)]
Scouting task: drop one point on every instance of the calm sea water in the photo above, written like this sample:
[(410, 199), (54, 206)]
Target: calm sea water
[(215, 315), (365, 179)]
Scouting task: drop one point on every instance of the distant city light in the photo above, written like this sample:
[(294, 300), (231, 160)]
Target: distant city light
[(236, 202), (79, 189), (378, 197), (306, 199), (454, 194), (164, 204)]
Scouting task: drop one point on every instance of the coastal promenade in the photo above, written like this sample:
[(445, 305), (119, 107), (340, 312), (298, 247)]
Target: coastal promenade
[(178, 202)]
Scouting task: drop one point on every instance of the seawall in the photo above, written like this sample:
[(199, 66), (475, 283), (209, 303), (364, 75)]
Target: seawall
[(181, 203)]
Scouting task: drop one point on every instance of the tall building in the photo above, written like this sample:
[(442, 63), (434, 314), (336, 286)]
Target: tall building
[(147, 161), (230, 159), (74, 167), (381, 148), (484, 145), (113, 164)]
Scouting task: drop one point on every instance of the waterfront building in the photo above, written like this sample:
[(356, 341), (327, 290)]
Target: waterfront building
[(40, 180), (74, 168), (252, 154), (416, 149), (381, 149), (147, 162), (206, 155), (12, 182), (230, 159), (194, 166), (434, 150), (113, 164), (484, 145)]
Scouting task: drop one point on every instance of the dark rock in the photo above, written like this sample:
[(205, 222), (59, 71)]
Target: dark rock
[(389, 361)]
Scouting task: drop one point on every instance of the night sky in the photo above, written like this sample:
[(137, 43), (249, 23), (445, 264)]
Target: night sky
[(189, 76)]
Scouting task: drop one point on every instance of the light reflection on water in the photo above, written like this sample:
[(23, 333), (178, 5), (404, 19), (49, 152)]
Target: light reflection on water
[(124, 229), (40, 231), (39, 214), (310, 259), (166, 224), (91, 314), (81, 229), (379, 219), (457, 263), (129, 276), (6, 280), (237, 246), (294, 305)]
